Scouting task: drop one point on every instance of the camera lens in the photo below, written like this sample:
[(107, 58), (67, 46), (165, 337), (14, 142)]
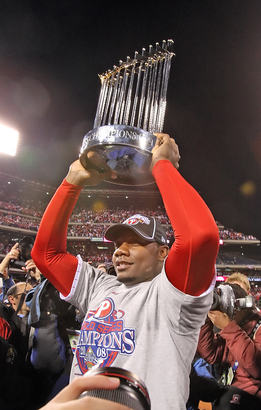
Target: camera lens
[(131, 392), (216, 301)]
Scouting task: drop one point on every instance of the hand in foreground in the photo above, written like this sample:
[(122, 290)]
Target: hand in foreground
[(165, 148), (219, 319), (67, 399), (78, 175)]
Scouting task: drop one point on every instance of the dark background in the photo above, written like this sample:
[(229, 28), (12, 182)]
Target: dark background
[(51, 53)]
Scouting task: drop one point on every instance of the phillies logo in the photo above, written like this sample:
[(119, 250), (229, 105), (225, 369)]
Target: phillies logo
[(105, 310), (103, 336), (135, 219)]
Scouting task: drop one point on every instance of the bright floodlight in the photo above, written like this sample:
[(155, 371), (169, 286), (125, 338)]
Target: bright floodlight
[(8, 140)]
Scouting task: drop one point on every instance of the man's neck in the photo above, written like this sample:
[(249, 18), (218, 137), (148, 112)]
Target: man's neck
[(22, 312)]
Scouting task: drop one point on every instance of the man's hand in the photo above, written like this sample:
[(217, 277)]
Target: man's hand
[(31, 268), (78, 175), (13, 254), (68, 398), (219, 319), (165, 148)]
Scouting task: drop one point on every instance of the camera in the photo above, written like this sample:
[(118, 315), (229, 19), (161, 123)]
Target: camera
[(25, 248), (225, 301), (131, 392)]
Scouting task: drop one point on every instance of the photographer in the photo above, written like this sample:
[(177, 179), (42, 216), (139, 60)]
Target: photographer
[(237, 348), (39, 347), (4, 270)]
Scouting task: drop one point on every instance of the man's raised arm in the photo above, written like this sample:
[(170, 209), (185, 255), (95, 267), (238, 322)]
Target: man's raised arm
[(190, 265), (49, 251)]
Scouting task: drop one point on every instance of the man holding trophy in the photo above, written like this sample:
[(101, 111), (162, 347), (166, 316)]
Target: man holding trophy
[(147, 319)]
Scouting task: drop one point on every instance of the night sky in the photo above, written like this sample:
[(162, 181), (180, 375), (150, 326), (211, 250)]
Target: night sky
[(51, 53)]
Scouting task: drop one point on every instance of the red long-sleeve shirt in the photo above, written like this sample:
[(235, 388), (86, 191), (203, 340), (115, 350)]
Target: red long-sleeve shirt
[(191, 260)]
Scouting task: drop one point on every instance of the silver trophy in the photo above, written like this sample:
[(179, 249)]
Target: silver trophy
[(131, 108)]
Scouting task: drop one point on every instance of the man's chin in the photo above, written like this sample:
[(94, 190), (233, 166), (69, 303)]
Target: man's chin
[(125, 279)]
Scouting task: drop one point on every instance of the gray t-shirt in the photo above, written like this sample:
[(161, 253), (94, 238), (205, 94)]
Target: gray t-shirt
[(150, 329)]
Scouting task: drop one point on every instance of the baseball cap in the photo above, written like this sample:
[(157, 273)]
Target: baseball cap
[(147, 227)]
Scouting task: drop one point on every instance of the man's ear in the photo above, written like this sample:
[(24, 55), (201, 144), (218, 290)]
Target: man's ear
[(11, 299), (163, 252)]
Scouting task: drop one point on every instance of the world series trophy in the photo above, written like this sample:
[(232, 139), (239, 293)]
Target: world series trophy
[(131, 108)]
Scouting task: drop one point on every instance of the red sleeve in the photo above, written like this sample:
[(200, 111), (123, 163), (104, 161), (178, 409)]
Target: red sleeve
[(190, 265), (49, 251), (245, 350)]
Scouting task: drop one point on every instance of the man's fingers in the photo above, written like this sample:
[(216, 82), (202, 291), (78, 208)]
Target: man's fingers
[(30, 265), (15, 246), (95, 165), (161, 135), (91, 403), (81, 384), (14, 249), (97, 161)]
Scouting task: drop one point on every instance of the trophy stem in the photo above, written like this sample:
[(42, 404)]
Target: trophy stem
[(135, 103), (148, 99), (142, 97), (163, 100), (117, 103), (155, 107), (153, 93), (128, 102), (123, 92), (114, 96), (111, 81)]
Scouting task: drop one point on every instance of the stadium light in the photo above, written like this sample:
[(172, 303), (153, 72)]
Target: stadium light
[(8, 140)]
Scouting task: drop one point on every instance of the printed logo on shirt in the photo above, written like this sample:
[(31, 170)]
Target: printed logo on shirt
[(103, 336)]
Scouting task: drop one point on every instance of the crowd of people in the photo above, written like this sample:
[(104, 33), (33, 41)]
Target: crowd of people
[(231, 234), (23, 206), (89, 223), (34, 345), (255, 292), (19, 221)]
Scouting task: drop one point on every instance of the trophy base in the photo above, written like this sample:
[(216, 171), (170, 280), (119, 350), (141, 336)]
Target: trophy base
[(125, 149)]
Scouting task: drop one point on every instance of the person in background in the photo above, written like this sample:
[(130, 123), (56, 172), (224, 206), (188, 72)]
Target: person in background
[(204, 386), (39, 351), (102, 266), (16, 297), (240, 279), (10, 376), (237, 348), (4, 270)]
